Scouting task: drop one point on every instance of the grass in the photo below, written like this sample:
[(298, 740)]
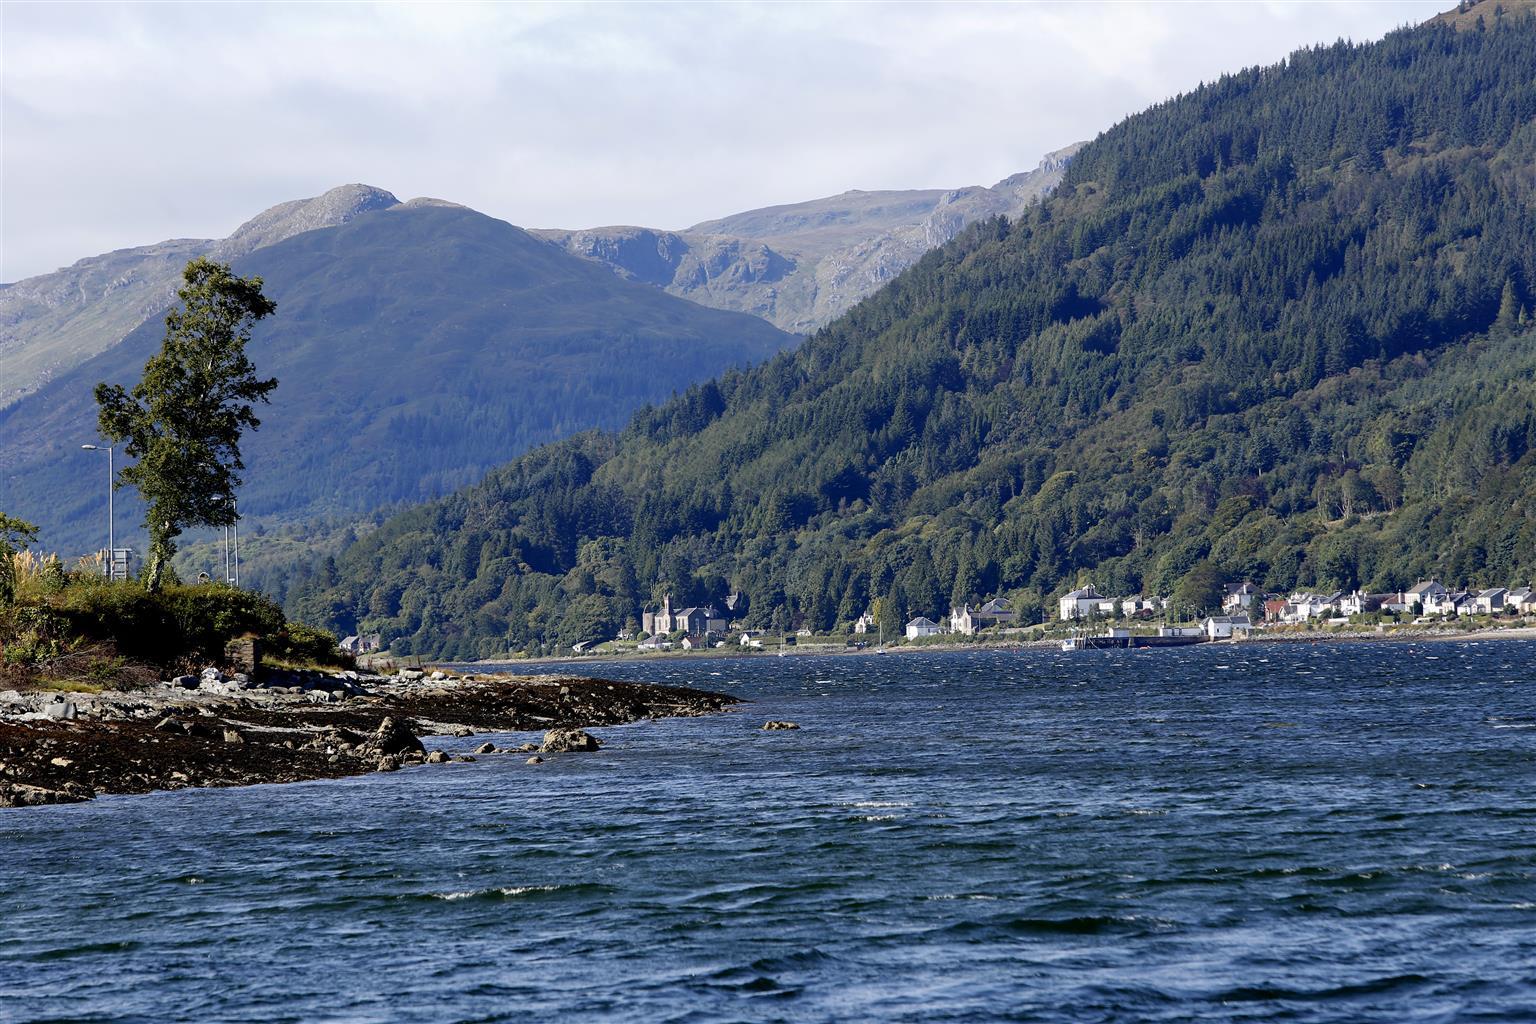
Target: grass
[(70, 629)]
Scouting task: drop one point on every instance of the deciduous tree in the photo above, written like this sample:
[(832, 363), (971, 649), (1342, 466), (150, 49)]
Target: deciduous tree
[(182, 422)]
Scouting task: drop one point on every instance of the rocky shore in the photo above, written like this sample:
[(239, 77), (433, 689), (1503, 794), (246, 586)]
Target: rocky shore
[(218, 730)]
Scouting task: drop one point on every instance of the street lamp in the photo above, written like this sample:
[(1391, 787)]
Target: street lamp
[(111, 536)]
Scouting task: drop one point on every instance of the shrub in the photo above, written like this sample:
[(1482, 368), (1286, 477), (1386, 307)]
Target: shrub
[(303, 644)]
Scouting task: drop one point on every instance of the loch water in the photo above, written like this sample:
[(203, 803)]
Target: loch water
[(1233, 832)]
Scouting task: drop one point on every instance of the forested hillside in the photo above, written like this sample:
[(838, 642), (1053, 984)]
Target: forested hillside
[(1277, 328), (415, 347)]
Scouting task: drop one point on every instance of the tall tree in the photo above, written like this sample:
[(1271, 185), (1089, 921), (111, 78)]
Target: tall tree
[(183, 420)]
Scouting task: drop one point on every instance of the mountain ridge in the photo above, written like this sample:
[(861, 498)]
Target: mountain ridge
[(53, 322), (799, 265)]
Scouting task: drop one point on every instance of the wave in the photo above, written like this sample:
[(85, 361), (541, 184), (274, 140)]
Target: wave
[(1272, 993), (506, 892)]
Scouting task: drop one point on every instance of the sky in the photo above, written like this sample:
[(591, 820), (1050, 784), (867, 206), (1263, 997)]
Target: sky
[(124, 124)]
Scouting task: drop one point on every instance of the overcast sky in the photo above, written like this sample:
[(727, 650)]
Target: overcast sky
[(125, 124)]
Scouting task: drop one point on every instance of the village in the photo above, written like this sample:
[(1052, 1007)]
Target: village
[(1245, 609)]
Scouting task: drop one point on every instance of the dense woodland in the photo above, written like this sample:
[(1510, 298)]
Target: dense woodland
[(1279, 328)]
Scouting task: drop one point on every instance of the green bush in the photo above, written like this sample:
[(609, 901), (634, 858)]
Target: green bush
[(303, 644)]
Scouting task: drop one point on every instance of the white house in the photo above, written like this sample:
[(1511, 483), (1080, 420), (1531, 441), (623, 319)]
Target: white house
[(1521, 599), (1240, 598), (1303, 606), (1080, 604), (968, 620), (1491, 600), (922, 626), (659, 642), (751, 638), (1425, 594), (1227, 627), (865, 624)]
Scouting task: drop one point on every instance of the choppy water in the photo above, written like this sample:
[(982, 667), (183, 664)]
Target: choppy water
[(1260, 832)]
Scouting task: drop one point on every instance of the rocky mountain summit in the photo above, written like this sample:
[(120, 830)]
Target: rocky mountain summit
[(52, 323), (802, 264)]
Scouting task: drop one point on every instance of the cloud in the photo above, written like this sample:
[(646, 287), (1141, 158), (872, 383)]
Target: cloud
[(126, 124)]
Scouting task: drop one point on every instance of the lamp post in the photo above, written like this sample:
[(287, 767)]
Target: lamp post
[(111, 535)]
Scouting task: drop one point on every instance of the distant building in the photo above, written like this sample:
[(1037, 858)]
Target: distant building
[(1491, 600), (1081, 603), (922, 626), (1227, 627), (365, 644), (968, 620), (1240, 598), (1426, 594), (661, 621), (865, 623), (736, 605)]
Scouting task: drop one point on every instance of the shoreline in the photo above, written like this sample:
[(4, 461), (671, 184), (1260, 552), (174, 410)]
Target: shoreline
[(1399, 635), (68, 748)]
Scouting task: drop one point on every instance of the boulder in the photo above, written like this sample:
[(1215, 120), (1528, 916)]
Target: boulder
[(486, 748), (392, 737), (771, 726), (567, 741), (389, 764), (60, 711), (185, 682), (535, 759), (437, 757), (233, 736)]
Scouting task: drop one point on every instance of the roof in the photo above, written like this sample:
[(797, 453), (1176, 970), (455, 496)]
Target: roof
[(1425, 587), (1492, 592), (922, 621), (1083, 593), (996, 606)]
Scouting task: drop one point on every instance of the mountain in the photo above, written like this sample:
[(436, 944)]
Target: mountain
[(1278, 328), (416, 345), (802, 265), (54, 322)]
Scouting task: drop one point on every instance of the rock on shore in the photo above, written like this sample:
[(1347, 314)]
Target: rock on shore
[(228, 731)]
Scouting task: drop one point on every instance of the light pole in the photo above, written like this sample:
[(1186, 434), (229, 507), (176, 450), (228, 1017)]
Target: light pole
[(111, 535)]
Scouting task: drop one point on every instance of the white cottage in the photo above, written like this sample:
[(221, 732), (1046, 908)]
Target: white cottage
[(922, 626)]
